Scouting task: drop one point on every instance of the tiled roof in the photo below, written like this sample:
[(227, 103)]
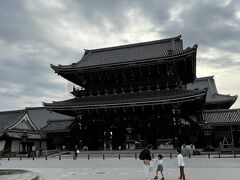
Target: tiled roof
[(130, 53), (149, 50), (9, 118), (222, 117), (38, 115), (148, 97), (57, 125), (213, 97)]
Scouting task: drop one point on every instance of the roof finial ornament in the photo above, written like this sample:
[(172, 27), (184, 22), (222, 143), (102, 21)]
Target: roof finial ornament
[(86, 51)]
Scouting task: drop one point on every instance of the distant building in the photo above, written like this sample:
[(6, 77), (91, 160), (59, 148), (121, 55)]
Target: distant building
[(220, 124), (20, 130), (214, 100), (217, 121)]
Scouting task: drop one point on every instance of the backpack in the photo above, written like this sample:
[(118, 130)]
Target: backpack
[(141, 155)]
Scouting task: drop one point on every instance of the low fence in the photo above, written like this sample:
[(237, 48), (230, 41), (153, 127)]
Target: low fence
[(124, 154)]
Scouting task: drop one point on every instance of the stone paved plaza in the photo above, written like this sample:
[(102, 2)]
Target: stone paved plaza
[(197, 168)]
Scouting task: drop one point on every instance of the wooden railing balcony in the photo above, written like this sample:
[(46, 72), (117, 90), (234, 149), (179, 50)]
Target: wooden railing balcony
[(126, 88)]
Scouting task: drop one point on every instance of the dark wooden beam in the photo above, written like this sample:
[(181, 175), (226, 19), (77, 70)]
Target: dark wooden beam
[(123, 76), (132, 74), (140, 71)]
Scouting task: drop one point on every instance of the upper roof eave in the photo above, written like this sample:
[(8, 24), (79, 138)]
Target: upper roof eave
[(74, 67)]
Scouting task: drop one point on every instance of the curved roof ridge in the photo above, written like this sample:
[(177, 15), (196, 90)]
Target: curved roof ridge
[(17, 119), (12, 111), (31, 122), (37, 107), (134, 44)]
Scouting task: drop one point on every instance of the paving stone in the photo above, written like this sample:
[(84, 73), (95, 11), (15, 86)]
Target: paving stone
[(197, 168)]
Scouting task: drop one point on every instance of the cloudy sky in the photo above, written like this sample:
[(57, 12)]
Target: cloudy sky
[(37, 33)]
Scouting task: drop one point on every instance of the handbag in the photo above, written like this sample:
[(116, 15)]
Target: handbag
[(146, 162)]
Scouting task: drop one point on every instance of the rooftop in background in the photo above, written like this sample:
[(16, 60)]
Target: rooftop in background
[(58, 126), (221, 117), (38, 115), (214, 100)]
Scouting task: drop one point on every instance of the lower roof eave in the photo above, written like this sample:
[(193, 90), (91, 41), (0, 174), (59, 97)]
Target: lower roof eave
[(104, 106)]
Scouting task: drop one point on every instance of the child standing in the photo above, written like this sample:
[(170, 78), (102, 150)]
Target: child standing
[(159, 167)]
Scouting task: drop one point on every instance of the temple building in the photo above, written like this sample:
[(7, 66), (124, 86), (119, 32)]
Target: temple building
[(132, 95), (214, 100), (21, 130)]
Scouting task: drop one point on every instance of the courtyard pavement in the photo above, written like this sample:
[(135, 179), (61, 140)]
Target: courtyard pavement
[(112, 168)]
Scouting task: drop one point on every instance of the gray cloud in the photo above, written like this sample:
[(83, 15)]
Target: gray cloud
[(35, 34), (17, 24)]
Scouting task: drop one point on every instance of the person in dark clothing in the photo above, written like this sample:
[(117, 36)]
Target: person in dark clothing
[(147, 159), (75, 151)]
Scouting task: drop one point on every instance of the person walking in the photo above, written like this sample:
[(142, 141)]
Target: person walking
[(159, 167), (181, 165), (146, 160), (75, 151)]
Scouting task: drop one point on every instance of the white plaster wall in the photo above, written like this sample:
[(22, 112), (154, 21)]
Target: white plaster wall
[(37, 145), (15, 146), (43, 145)]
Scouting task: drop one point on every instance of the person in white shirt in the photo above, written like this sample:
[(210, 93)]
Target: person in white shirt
[(159, 167), (181, 165)]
